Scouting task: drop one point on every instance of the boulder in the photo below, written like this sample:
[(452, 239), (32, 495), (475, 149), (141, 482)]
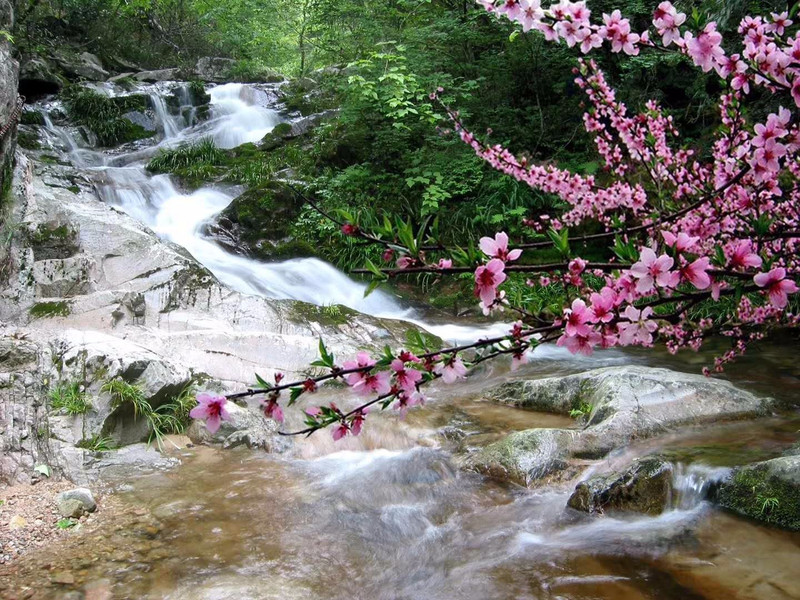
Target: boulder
[(245, 427), (53, 240), (158, 75), (644, 487), (37, 78), (214, 69), (633, 402), (524, 456), (64, 278), (74, 503), (141, 119), (83, 66), (623, 404), (767, 491)]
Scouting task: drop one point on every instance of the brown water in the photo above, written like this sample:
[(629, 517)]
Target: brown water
[(390, 516)]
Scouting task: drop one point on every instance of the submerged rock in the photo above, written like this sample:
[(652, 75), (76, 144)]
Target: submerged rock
[(644, 487), (768, 491)]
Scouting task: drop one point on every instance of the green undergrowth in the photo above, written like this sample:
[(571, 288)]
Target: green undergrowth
[(69, 397), (169, 417), (753, 492), (103, 115)]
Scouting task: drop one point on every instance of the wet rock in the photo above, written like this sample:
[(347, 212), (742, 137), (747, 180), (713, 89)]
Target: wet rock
[(768, 491), (644, 487), (74, 503), (127, 463), (524, 456), (53, 240), (64, 578), (246, 427), (141, 119)]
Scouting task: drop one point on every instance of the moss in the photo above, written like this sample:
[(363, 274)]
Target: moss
[(32, 117), (284, 251), (330, 316), (28, 140), (44, 233), (74, 189), (42, 310), (757, 493)]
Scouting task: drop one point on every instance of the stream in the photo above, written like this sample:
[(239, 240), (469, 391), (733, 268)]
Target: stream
[(390, 515)]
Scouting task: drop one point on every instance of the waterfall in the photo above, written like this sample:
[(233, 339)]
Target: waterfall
[(692, 484), (239, 114)]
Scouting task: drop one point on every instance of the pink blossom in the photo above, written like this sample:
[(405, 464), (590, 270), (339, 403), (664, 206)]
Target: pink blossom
[(639, 329), (407, 379), (487, 278), (349, 229), (498, 247), (705, 49), (680, 242), (445, 263), (695, 273), (577, 266), (742, 255), (577, 317), (407, 400), (377, 384), (211, 408), (778, 287), (357, 421), (603, 305), (362, 361), (340, 431), (518, 359), (580, 344), (651, 270), (530, 14), (272, 410), (667, 20), (405, 262), (451, 370)]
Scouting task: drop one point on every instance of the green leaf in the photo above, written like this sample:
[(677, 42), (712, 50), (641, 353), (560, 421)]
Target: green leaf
[(262, 383), (42, 470), (294, 394)]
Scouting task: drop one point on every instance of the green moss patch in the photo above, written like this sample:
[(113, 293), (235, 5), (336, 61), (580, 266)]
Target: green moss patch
[(42, 310), (768, 492)]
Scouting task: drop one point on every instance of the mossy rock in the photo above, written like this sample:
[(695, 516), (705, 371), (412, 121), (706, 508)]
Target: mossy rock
[(265, 212), (103, 116), (53, 241), (333, 315), (28, 140), (768, 492), (283, 250), (524, 456), (32, 117)]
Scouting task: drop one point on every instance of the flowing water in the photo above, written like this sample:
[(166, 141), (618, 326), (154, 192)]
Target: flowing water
[(390, 515)]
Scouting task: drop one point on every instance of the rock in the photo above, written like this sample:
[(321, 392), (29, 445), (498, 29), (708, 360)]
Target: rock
[(524, 456), (17, 522), (83, 66), (64, 278), (53, 240), (74, 503), (768, 491), (793, 450), (246, 427), (633, 402), (624, 404), (142, 120), (8, 104), (17, 352), (37, 78), (644, 487), (159, 75), (215, 70)]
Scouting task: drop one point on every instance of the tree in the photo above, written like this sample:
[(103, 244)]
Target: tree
[(693, 241)]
